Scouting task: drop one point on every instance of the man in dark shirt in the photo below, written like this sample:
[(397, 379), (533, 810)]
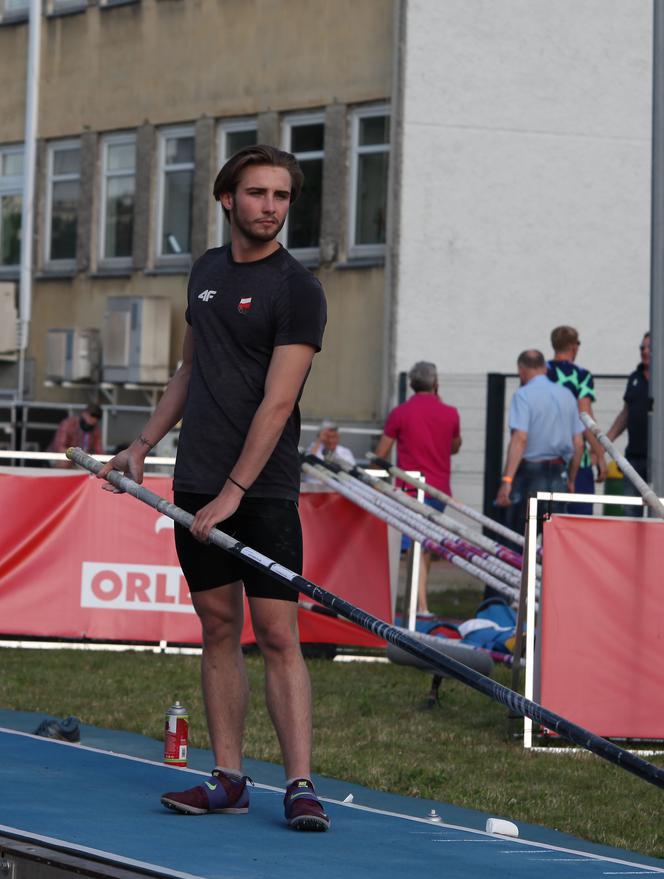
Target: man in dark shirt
[(634, 417), (255, 318)]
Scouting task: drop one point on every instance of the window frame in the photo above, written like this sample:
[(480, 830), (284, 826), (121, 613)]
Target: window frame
[(119, 138), (355, 250), (65, 7), (52, 147), (228, 126), (164, 134), (13, 187), (109, 4), (294, 120), (12, 16)]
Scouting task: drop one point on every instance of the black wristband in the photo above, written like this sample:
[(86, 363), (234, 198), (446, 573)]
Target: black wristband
[(230, 479), (145, 442)]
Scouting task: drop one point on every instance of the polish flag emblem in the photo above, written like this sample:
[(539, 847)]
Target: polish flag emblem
[(244, 305)]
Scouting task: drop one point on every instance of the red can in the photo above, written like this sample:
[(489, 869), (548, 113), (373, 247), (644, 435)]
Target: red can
[(176, 735)]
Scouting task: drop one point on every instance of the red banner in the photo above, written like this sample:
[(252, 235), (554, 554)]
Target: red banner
[(78, 562), (602, 626)]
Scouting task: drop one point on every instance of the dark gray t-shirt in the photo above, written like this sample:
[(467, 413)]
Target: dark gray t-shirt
[(239, 312)]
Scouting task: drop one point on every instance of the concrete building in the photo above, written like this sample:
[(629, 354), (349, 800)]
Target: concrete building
[(478, 172), (521, 170), (140, 103)]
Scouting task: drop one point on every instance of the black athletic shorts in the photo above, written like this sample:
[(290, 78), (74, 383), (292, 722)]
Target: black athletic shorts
[(269, 525)]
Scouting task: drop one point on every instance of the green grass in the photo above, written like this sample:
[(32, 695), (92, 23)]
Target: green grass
[(370, 728)]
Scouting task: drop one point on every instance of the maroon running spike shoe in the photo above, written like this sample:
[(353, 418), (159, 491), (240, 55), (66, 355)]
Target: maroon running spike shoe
[(303, 809), (219, 793)]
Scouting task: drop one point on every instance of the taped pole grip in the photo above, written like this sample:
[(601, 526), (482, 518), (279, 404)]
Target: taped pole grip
[(514, 701), (639, 484)]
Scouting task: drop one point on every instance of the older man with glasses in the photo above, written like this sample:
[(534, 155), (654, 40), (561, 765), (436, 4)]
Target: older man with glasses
[(546, 440)]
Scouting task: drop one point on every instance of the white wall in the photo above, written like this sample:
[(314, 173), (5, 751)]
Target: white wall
[(522, 181)]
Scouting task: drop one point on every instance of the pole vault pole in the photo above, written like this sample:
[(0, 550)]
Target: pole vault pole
[(639, 484), (492, 525), (514, 701), (439, 520), (384, 506), (319, 472)]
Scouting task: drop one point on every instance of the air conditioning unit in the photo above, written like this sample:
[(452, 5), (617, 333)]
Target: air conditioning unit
[(73, 355), (8, 320), (136, 336)]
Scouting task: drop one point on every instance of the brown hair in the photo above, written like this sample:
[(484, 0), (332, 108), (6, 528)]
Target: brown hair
[(94, 410), (563, 337), (261, 154), (531, 359)]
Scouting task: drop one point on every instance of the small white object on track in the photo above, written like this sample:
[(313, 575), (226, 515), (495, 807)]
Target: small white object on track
[(501, 827)]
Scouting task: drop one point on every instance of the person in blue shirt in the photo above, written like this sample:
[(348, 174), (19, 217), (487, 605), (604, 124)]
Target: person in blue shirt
[(546, 441)]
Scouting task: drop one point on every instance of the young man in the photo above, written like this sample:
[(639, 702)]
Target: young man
[(579, 381), (427, 433), (255, 318)]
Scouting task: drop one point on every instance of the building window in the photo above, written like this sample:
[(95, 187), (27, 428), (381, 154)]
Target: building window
[(116, 228), (233, 136), (11, 188), (63, 194), (56, 6), (14, 9), (303, 136), (176, 185), (370, 139)]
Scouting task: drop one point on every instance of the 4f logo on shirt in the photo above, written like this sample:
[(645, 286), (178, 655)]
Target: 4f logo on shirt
[(244, 305), (206, 295)]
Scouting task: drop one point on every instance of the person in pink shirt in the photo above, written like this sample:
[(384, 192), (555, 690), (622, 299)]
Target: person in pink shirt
[(82, 430), (427, 433)]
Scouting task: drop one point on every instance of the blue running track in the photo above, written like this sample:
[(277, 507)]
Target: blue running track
[(87, 800)]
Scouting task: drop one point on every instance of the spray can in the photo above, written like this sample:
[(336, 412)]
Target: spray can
[(176, 735)]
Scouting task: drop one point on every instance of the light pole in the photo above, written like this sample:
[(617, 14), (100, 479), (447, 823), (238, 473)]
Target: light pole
[(27, 213)]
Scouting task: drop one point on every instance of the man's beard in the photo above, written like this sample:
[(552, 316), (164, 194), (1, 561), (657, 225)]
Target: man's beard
[(254, 233)]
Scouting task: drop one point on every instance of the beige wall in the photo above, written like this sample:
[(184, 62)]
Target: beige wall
[(344, 382), (114, 68), (339, 386), (180, 61), (81, 302), (13, 48)]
